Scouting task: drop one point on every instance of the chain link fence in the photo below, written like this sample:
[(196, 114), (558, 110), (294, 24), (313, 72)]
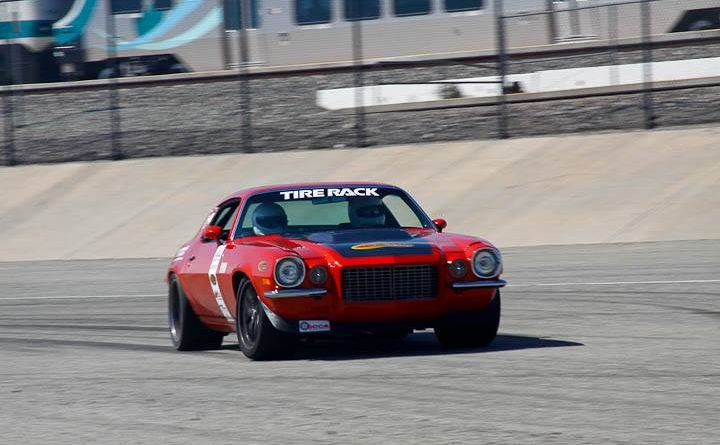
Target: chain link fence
[(378, 72)]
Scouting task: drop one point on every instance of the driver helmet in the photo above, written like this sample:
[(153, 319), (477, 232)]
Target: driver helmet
[(269, 219), (366, 211)]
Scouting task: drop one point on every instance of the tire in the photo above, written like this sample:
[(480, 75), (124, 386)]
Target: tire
[(187, 332), (472, 336), (257, 337)]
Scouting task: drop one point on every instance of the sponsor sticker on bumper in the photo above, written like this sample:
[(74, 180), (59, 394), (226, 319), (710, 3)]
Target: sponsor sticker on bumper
[(314, 326)]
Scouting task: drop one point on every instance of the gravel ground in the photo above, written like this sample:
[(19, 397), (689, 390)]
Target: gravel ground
[(203, 118)]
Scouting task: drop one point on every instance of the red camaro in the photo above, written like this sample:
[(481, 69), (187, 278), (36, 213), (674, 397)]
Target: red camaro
[(278, 263)]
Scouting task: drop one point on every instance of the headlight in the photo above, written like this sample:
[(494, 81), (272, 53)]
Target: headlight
[(458, 268), (318, 275), (289, 271), (486, 263)]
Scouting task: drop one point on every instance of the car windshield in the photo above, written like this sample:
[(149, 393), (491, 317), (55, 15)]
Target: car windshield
[(303, 211)]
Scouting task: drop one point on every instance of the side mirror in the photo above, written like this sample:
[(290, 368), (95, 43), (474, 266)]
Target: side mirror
[(440, 224), (211, 233)]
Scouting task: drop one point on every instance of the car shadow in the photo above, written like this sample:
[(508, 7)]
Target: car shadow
[(418, 344)]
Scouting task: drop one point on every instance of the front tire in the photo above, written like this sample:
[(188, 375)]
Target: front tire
[(187, 332), (257, 337), (475, 335)]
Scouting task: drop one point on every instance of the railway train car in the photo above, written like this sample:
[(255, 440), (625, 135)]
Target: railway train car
[(168, 36), (26, 39)]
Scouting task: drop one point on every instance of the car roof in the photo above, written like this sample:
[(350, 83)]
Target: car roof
[(245, 193)]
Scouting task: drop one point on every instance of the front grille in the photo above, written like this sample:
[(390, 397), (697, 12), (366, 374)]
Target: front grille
[(381, 283)]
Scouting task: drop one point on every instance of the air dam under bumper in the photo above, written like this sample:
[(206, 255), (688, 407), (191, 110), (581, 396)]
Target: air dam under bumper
[(453, 319)]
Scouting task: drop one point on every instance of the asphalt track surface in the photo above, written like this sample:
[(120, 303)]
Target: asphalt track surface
[(602, 344)]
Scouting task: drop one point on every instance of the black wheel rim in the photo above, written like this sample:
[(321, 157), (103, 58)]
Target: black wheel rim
[(174, 319), (250, 317)]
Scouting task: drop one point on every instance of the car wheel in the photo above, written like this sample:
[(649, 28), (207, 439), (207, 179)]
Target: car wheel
[(187, 332), (470, 336), (257, 337)]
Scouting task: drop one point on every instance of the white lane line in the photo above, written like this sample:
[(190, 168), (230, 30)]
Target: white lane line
[(81, 297), (613, 283)]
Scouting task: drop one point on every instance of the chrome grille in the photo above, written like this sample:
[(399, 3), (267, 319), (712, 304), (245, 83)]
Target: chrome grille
[(379, 283)]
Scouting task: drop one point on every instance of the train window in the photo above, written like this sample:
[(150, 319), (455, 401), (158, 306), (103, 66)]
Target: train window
[(126, 6), (411, 7), (163, 5), (362, 9), (233, 18), (312, 12), (463, 5)]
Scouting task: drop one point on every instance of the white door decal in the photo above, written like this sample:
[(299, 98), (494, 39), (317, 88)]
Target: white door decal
[(212, 275)]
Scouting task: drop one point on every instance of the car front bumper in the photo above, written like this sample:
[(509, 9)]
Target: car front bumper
[(319, 292)]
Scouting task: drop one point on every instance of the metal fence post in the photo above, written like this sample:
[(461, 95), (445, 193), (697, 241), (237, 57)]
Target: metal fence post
[(648, 106), (9, 128), (16, 62), (613, 36), (113, 94), (244, 77), (8, 109), (501, 70), (8, 95), (358, 79)]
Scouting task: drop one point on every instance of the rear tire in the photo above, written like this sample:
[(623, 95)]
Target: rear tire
[(472, 336), (257, 337), (187, 332)]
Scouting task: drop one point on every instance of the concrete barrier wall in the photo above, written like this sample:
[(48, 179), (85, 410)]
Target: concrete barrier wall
[(621, 187)]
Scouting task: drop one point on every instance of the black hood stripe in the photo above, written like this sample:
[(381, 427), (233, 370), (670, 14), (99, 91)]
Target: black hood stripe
[(373, 242)]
